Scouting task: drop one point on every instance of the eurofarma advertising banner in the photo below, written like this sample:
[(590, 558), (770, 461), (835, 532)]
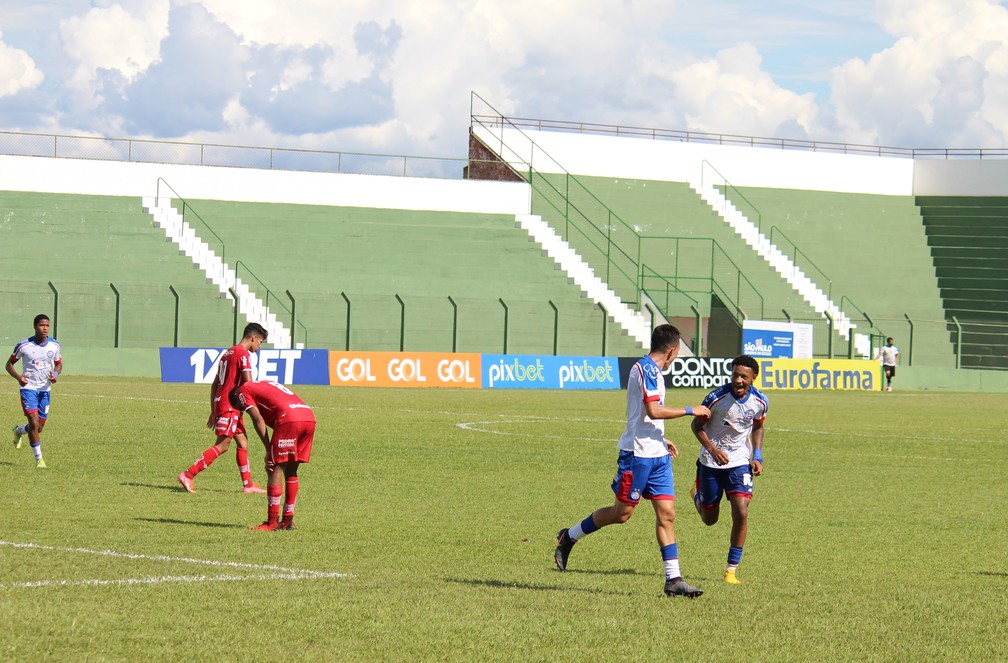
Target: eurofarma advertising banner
[(797, 374), (199, 365), (549, 372), (405, 369), (764, 340)]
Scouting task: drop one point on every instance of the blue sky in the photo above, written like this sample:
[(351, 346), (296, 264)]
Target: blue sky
[(391, 76)]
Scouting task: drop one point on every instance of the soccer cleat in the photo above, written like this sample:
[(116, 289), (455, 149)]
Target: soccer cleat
[(889, 388), (286, 523), (253, 489), (267, 526), (563, 548), (40, 465), (17, 437), (186, 482), (729, 577), (679, 587)]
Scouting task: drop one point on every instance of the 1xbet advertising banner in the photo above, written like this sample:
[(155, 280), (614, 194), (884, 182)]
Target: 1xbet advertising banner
[(404, 369), (549, 372), (284, 366)]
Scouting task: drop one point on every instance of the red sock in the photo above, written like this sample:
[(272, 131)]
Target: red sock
[(204, 461), (273, 496), (290, 497), (241, 455)]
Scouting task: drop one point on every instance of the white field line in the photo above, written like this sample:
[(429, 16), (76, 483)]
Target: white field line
[(266, 571)]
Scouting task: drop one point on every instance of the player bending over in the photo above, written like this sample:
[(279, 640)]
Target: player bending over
[(731, 453), (644, 465), (275, 406)]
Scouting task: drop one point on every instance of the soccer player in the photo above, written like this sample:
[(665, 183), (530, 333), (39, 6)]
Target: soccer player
[(275, 406), (233, 369), (42, 362), (644, 465), (889, 354), (731, 454)]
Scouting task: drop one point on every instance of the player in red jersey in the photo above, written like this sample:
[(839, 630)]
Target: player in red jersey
[(233, 369), (275, 406)]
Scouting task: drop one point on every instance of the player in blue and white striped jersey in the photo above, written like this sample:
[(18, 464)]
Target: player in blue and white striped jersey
[(731, 453), (42, 362)]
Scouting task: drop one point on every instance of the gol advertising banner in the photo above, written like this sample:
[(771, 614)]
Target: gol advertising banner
[(279, 365), (549, 372), (822, 374), (404, 369)]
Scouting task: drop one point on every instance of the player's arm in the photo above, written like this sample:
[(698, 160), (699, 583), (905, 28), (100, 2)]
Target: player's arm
[(22, 380), (57, 369), (700, 432), (246, 376), (259, 424), (756, 464), (656, 411)]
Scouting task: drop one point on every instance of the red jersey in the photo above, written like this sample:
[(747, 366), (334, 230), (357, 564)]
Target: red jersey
[(277, 404), (233, 362)]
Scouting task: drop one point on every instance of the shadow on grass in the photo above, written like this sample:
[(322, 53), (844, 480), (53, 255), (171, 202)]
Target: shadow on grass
[(996, 574), (172, 488), (610, 572), (505, 584), (191, 523)]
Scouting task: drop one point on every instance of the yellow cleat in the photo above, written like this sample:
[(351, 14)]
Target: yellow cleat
[(41, 464), (17, 437), (729, 577)]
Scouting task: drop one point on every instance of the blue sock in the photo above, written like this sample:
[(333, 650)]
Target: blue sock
[(734, 555)]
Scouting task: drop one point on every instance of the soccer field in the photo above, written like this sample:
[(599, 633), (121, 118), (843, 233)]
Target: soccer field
[(427, 521)]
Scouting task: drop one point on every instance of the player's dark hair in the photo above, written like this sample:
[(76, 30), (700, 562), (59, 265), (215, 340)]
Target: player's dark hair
[(255, 328), (236, 399), (889, 340), (748, 362), (664, 338), (39, 318)]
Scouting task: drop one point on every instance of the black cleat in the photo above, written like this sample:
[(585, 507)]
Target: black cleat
[(679, 587), (564, 545)]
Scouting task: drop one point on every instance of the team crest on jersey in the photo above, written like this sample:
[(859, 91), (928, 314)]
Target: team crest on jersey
[(652, 371), (635, 494)]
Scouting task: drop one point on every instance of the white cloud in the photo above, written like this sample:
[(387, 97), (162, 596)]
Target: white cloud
[(940, 84), (110, 37), (17, 70)]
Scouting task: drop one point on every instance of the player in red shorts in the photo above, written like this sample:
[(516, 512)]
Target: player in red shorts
[(275, 406), (233, 369)]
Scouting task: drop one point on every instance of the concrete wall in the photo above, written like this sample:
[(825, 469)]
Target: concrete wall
[(666, 160), (961, 177), (116, 178)]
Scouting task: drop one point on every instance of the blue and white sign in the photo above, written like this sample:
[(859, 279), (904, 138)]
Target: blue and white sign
[(549, 372), (767, 340), (285, 366)]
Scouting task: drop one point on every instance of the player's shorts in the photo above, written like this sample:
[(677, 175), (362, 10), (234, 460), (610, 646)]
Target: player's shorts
[(650, 478), (889, 370), (33, 400), (229, 424), (292, 441), (715, 481)]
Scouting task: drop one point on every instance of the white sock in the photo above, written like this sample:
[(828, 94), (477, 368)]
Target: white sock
[(576, 533), (37, 449), (672, 568)]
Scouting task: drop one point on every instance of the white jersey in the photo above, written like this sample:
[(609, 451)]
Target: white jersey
[(38, 361), (889, 353), (730, 424), (643, 435)]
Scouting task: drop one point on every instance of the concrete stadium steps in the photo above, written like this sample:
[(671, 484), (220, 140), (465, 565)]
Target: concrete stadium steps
[(370, 254), (89, 242), (968, 240)]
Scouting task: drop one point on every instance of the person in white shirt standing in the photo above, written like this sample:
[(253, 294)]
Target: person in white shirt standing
[(644, 466), (889, 354), (42, 363)]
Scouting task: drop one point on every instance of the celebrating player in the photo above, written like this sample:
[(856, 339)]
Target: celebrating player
[(731, 453), (42, 362), (644, 466), (275, 406), (233, 369)]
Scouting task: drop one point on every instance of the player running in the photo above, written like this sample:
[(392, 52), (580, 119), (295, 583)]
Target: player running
[(42, 362), (644, 466), (731, 454), (233, 369), (275, 406)]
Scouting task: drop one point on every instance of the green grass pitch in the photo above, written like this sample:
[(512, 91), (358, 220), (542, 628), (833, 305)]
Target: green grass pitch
[(426, 524)]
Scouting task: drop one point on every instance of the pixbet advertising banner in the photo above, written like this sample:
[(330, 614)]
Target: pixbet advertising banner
[(199, 365), (404, 369), (549, 372)]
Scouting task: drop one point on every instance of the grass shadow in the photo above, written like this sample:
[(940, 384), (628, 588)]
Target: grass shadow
[(995, 574), (172, 488), (192, 523), (610, 572), (510, 584)]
